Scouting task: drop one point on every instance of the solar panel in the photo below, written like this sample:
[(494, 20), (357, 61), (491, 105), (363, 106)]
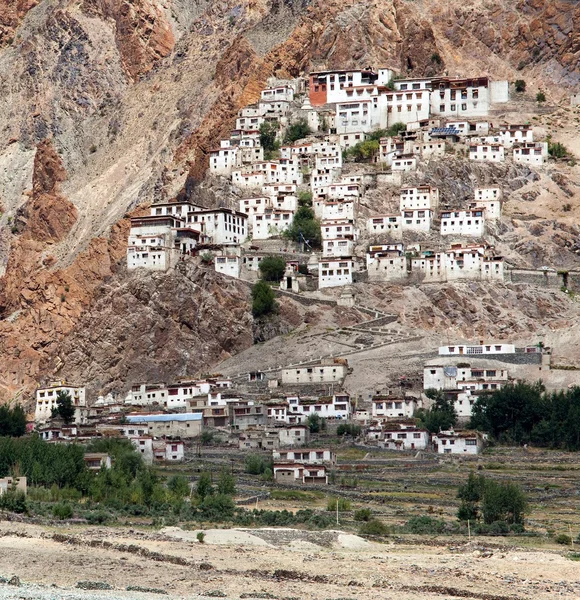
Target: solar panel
[(444, 131)]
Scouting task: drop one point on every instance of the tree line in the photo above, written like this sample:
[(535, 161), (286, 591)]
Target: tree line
[(525, 413)]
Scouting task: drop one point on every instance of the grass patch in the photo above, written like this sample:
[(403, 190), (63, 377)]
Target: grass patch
[(574, 556), (296, 495)]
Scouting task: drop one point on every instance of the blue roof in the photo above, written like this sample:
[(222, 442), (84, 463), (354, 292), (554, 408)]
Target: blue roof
[(161, 418)]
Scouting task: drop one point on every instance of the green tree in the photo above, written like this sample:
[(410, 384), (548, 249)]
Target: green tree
[(268, 133), (12, 421), (441, 416), (179, 487), (363, 151), (305, 227), (226, 484), (256, 464), (540, 97), (511, 412), (272, 268), (204, 486), (297, 131), (263, 299), (218, 508), (315, 423), (503, 502), (64, 407), (304, 198), (520, 85), (493, 501)]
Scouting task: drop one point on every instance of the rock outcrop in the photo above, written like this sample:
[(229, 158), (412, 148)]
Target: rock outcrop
[(155, 327)]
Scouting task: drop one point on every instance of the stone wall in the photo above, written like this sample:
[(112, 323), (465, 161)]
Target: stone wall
[(547, 279)]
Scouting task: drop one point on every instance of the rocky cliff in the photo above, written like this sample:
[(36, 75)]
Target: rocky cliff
[(106, 105)]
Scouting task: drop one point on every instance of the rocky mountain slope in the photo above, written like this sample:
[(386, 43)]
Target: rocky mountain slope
[(106, 105)]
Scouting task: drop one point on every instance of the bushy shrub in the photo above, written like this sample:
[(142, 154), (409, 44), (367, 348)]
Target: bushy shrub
[(14, 501), (363, 514), (373, 527), (62, 511), (256, 464), (424, 525), (499, 528), (563, 539), (520, 85), (97, 517), (297, 131)]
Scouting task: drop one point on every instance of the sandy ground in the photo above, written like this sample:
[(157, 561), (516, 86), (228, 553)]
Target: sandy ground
[(273, 563)]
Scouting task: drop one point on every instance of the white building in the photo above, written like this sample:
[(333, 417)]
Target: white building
[(330, 87), (294, 435), (469, 127), (385, 224), (399, 436), (229, 265), (157, 242), (279, 93), (328, 371), (220, 225), (298, 473), (423, 196), (429, 148), (168, 451), (487, 193), (477, 349), (46, 398), (391, 148), (531, 153), (474, 261), (404, 163), (332, 229), (460, 442), (463, 383), (335, 407), (407, 106), (271, 223), (416, 220), (339, 210), (463, 222), (356, 115), (468, 97), (305, 456), (335, 271), (386, 264), (337, 247), (515, 134), (487, 152), (347, 140), (389, 407)]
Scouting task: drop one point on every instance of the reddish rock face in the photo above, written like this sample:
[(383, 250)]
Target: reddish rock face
[(49, 216), (142, 32), (11, 14)]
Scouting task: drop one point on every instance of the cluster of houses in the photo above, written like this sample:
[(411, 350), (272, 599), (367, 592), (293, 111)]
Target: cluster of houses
[(164, 421), (342, 109)]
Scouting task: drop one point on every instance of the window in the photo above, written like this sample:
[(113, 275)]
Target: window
[(471, 442)]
